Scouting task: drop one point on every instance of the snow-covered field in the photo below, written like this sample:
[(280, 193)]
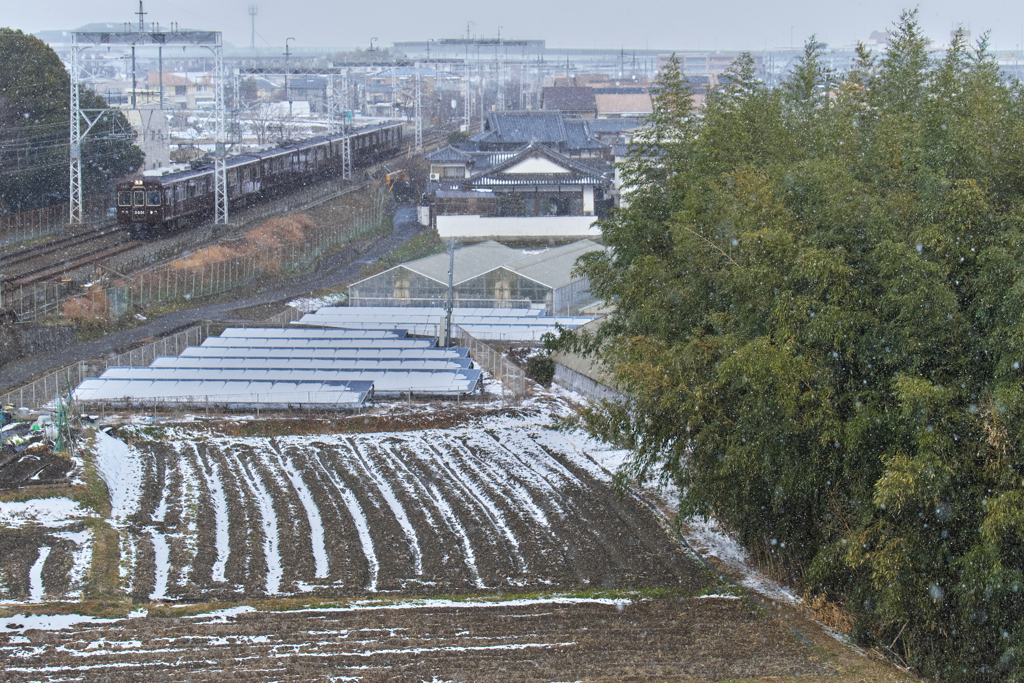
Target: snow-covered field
[(500, 503)]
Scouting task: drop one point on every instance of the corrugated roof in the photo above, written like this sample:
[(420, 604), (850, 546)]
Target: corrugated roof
[(287, 343), (310, 333), (246, 361), (455, 381)]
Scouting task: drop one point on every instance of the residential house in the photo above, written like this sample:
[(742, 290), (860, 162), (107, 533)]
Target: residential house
[(533, 193)]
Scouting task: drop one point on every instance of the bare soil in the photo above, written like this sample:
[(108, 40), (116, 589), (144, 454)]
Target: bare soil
[(653, 640)]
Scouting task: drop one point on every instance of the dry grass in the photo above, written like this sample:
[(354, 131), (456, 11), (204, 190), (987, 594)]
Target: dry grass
[(274, 234), (91, 306), (828, 613)]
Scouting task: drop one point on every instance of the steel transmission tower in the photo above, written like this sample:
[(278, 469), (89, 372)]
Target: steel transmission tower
[(83, 40), (337, 121)]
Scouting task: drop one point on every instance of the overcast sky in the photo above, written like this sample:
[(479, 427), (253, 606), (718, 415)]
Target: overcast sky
[(735, 24)]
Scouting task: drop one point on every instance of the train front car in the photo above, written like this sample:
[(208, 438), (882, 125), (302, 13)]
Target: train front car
[(140, 206)]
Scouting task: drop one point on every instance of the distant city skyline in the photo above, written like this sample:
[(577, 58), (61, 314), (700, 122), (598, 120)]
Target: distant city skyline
[(655, 24)]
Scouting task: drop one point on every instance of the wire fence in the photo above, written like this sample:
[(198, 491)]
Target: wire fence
[(511, 376), (43, 390), (184, 283), (29, 225), (34, 301)]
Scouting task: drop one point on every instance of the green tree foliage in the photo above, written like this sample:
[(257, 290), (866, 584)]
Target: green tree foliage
[(820, 326), (541, 369), (34, 122)]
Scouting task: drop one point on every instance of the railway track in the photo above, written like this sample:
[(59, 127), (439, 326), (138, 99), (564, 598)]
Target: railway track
[(56, 254), (73, 254)]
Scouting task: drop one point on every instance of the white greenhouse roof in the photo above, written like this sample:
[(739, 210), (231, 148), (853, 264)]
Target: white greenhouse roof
[(458, 381), (308, 333), (404, 353), (230, 394), (286, 343), (263, 362)]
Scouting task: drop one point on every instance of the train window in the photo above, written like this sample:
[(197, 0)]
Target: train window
[(140, 198), (256, 172), (124, 198), (153, 198)]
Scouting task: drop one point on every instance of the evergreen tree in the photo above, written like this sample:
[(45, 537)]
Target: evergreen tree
[(819, 327), (34, 120)]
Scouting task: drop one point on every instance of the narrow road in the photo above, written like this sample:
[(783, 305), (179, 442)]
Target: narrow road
[(344, 266)]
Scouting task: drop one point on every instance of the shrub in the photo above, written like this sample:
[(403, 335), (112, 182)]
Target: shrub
[(541, 369)]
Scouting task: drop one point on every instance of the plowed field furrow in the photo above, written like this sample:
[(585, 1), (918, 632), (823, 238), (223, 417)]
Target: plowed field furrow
[(397, 509), (239, 509), (267, 530), (435, 511), (294, 533), (350, 509), (444, 559), (340, 542), (314, 528), (506, 545), (485, 554), (556, 639), (395, 561), (38, 564)]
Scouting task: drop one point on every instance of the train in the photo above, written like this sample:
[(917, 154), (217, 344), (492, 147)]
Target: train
[(153, 205)]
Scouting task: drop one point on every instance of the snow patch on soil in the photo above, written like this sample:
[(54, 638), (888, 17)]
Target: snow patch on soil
[(19, 623), (83, 541), (122, 471), (35, 575), (161, 555), (48, 512), (708, 539)]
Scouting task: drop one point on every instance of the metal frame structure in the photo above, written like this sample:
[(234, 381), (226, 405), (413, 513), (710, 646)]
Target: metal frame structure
[(83, 40), (337, 121)]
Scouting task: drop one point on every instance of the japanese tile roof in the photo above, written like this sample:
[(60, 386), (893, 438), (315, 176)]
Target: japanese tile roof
[(449, 153), (522, 127), (578, 172), (569, 99)]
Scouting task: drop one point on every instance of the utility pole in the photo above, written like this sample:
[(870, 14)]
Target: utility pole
[(419, 112), (450, 303), (253, 11), (467, 96), (286, 53)]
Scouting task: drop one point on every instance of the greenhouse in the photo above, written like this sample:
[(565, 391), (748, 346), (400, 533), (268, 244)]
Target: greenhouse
[(485, 275)]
